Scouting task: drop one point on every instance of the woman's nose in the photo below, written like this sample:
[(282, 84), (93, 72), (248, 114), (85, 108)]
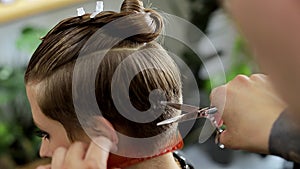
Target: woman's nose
[(45, 150)]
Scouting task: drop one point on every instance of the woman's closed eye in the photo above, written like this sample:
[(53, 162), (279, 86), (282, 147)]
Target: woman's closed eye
[(42, 134)]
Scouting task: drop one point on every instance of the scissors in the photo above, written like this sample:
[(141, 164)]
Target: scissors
[(194, 112)]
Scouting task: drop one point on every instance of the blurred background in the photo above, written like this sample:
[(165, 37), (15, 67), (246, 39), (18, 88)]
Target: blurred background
[(24, 22)]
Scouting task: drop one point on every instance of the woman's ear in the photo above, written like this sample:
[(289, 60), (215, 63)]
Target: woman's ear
[(102, 127)]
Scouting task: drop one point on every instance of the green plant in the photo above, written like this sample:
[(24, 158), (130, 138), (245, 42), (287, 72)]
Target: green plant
[(201, 12), (241, 63), (29, 39), (18, 143)]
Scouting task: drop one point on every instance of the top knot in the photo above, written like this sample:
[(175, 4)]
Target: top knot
[(132, 6)]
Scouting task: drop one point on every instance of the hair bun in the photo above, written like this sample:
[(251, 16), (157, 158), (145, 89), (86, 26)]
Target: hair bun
[(147, 23), (132, 6)]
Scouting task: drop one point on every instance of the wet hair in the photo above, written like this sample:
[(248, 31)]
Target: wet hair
[(51, 69)]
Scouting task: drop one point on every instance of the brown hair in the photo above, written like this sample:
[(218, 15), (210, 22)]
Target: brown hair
[(51, 68)]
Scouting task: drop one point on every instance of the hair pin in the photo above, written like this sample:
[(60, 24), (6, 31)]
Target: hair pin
[(80, 11), (99, 8)]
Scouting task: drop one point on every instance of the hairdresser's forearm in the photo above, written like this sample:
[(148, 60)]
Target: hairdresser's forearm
[(285, 138)]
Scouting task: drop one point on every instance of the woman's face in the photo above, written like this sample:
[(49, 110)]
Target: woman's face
[(52, 132)]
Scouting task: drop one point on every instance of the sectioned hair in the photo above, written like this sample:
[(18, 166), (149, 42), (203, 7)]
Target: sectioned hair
[(51, 68)]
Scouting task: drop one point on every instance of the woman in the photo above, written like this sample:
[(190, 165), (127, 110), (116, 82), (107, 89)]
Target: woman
[(115, 58)]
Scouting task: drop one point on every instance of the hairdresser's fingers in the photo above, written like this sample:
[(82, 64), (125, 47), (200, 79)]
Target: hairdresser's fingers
[(44, 167), (75, 155), (226, 140), (58, 158), (218, 99), (98, 151), (259, 77)]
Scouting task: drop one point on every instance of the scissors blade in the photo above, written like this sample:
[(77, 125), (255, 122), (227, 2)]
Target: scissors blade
[(183, 107), (193, 113), (180, 118)]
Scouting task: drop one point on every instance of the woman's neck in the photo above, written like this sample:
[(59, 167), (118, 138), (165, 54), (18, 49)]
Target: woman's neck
[(165, 161)]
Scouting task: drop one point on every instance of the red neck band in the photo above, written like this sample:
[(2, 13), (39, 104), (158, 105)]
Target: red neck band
[(115, 161)]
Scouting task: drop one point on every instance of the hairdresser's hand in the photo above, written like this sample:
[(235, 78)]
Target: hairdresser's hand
[(81, 156), (249, 106)]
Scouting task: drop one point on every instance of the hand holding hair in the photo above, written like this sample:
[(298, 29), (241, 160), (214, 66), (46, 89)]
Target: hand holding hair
[(82, 156)]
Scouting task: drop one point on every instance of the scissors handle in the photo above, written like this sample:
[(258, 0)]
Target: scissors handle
[(219, 131), (220, 127)]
